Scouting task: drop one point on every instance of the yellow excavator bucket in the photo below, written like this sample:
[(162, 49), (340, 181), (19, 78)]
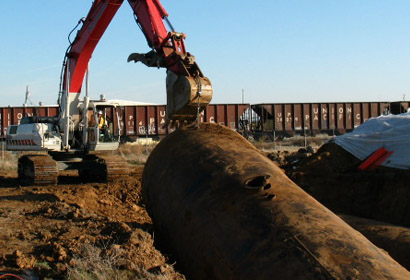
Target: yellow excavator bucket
[(186, 97)]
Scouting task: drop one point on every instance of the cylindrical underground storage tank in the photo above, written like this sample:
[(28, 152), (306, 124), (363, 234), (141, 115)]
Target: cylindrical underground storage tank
[(227, 212)]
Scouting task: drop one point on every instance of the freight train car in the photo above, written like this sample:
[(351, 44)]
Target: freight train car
[(272, 120), (148, 120), (265, 121), (136, 121), (13, 115)]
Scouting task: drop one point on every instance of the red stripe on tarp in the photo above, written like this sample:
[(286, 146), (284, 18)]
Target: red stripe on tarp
[(378, 162), (372, 158)]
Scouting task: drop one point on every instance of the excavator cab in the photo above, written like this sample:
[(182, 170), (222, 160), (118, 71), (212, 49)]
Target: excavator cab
[(103, 131)]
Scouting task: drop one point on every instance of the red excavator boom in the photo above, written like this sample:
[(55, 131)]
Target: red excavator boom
[(188, 91), (80, 51)]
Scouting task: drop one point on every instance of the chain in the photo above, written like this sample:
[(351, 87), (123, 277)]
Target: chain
[(198, 81)]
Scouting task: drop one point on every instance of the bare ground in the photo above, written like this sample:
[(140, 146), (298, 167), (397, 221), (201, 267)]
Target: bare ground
[(78, 231)]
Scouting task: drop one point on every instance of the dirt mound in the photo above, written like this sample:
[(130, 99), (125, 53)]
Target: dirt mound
[(332, 177), (394, 239), (329, 158), (76, 231)]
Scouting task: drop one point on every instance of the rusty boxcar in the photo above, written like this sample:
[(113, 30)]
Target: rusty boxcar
[(267, 120), (135, 121), (286, 119)]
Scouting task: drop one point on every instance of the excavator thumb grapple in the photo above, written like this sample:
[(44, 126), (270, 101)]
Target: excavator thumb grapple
[(188, 90)]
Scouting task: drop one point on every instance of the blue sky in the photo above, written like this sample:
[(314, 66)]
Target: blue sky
[(277, 51)]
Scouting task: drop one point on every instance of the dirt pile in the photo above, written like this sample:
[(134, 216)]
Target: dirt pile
[(392, 238), (72, 231), (332, 177)]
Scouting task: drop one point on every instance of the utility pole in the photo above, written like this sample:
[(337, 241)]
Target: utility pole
[(27, 99), (243, 96)]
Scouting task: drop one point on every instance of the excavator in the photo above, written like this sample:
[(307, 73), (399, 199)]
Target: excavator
[(77, 138)]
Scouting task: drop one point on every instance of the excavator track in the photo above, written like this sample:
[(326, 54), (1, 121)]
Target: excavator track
[(37, 170), (103, 168)]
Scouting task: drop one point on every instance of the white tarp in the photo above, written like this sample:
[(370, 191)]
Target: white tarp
[(391, 132)]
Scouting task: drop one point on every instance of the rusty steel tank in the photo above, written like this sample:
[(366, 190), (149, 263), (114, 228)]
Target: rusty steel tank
[(225, 211)]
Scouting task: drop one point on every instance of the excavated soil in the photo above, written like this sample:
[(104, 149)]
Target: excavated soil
[(392, 238), (376, 203), (82, 231), (332, 177), (78, 231)]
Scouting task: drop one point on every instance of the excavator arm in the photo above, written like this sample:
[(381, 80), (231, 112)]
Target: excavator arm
[(81, 49), (188, 91)]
